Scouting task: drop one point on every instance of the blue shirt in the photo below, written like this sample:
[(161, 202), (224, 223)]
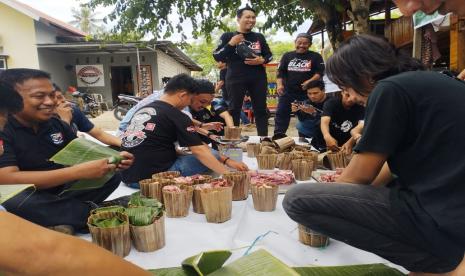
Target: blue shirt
[(79, 122)]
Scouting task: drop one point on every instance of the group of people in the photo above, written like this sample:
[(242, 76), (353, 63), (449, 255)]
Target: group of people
[(401, 196)]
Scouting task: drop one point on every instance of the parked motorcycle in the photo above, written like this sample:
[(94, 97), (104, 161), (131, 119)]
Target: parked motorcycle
[(123, 104), (89, 105)]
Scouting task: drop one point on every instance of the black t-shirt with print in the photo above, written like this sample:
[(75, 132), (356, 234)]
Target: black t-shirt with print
[(212, 114), (29, 150), (236, 66), (295, 68), (151, 135), (317, 140), (342, 119), (417, 119)]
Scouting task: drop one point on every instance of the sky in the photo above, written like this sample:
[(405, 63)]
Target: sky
[(61, 9)]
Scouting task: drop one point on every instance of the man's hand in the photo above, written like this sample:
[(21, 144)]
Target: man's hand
[(254, 61), (65, 111), (236, 39), (347, 147), (308, 109), (240, 166), (280, 89), (128, 160), (219, 85), (94, 169), (294, 107), (331, 143), (217, 126), (304, 83)]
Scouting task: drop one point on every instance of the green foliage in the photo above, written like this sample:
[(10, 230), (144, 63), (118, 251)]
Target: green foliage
[(152, 16), (115, 208), (85, 20), (141, 215), (138, 200)]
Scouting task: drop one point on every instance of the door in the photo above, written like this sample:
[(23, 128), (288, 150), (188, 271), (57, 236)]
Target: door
[(121, 81)]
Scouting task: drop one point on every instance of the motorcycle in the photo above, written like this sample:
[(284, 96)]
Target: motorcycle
[(123, 104), (89, 105)]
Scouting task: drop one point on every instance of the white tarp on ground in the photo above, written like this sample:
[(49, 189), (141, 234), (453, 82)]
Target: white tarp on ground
[(188, 236)]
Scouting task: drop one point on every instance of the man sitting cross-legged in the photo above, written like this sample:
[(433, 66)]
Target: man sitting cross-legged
[(30, 138)]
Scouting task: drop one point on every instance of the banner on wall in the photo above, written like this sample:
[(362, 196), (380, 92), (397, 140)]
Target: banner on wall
[(90, 75), (144, 80)]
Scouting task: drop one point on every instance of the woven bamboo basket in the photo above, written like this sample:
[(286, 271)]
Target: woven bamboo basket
[(267, 161), (217, 203), (240, 182), (150, 237), (177, 203), (302, 169), (264, 197), (115, 239), (232, 133), (312, 238), (253, 149)]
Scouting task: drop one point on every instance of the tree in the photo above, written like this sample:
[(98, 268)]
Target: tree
[(152, 16), (85, 19), (360, 15)]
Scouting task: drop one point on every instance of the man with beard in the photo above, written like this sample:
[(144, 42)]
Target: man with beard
[(296, 69)]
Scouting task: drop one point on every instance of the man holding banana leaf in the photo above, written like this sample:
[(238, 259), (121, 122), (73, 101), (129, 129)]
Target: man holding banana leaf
[(30, 138)]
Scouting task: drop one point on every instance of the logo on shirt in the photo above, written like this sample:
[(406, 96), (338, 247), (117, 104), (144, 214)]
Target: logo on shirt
[(2, 150), (57, 138), (346, 126), (134, 134), (191, 129), (150, 126), (299, 65)]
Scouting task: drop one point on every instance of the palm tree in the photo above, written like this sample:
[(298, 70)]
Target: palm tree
[(85, 19)]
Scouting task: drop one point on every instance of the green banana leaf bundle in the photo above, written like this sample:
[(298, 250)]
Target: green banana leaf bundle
[(263, 263), (115, 208), (81, 150), (107, 222), (142, 215), (139, 200)]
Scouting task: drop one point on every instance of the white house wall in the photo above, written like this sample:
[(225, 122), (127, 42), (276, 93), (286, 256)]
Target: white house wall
[(168, 67), (44, 34), (55, 63)]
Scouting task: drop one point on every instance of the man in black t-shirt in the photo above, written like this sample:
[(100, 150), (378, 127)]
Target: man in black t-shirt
[(155, 128), (411, 211), (30, 138), (309, 113), (245, 52), (340, 115), (296, 69)]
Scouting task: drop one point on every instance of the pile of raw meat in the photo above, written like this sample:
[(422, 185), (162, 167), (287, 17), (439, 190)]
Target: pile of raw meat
[(282, 177), (330, 176)]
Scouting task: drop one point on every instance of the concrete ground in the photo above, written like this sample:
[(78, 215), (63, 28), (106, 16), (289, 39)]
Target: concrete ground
[(107, 121)]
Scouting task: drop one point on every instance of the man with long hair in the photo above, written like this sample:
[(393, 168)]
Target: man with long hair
[(411, 211)]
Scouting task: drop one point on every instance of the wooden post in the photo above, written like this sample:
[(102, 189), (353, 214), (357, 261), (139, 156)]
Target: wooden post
[(417, 33), (457, 43)]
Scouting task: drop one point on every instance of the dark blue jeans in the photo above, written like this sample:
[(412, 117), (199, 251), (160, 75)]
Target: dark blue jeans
[(361, 216), (283, 112), (49, 207)]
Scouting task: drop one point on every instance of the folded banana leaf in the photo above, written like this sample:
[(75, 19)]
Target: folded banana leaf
[(115, 208), (139, 200), (9, 191), (107, 222), (81, 150), (141, 215), (206, 262), (263, 263)]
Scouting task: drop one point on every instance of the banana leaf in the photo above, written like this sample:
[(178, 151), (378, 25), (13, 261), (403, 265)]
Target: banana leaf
[(108, 222), (263, 263), (81, 150), (115, 208), (142, 215), (9, 191), (206, 262), (139, 200), (350, 270), (259, 262)]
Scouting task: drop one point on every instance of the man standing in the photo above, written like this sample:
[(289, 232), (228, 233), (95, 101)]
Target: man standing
[(245, 52), (296, 69), (157, 126), (30, 138)]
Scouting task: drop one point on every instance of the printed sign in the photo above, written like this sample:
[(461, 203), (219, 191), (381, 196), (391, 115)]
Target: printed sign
[(144, 79), (90, 75)]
